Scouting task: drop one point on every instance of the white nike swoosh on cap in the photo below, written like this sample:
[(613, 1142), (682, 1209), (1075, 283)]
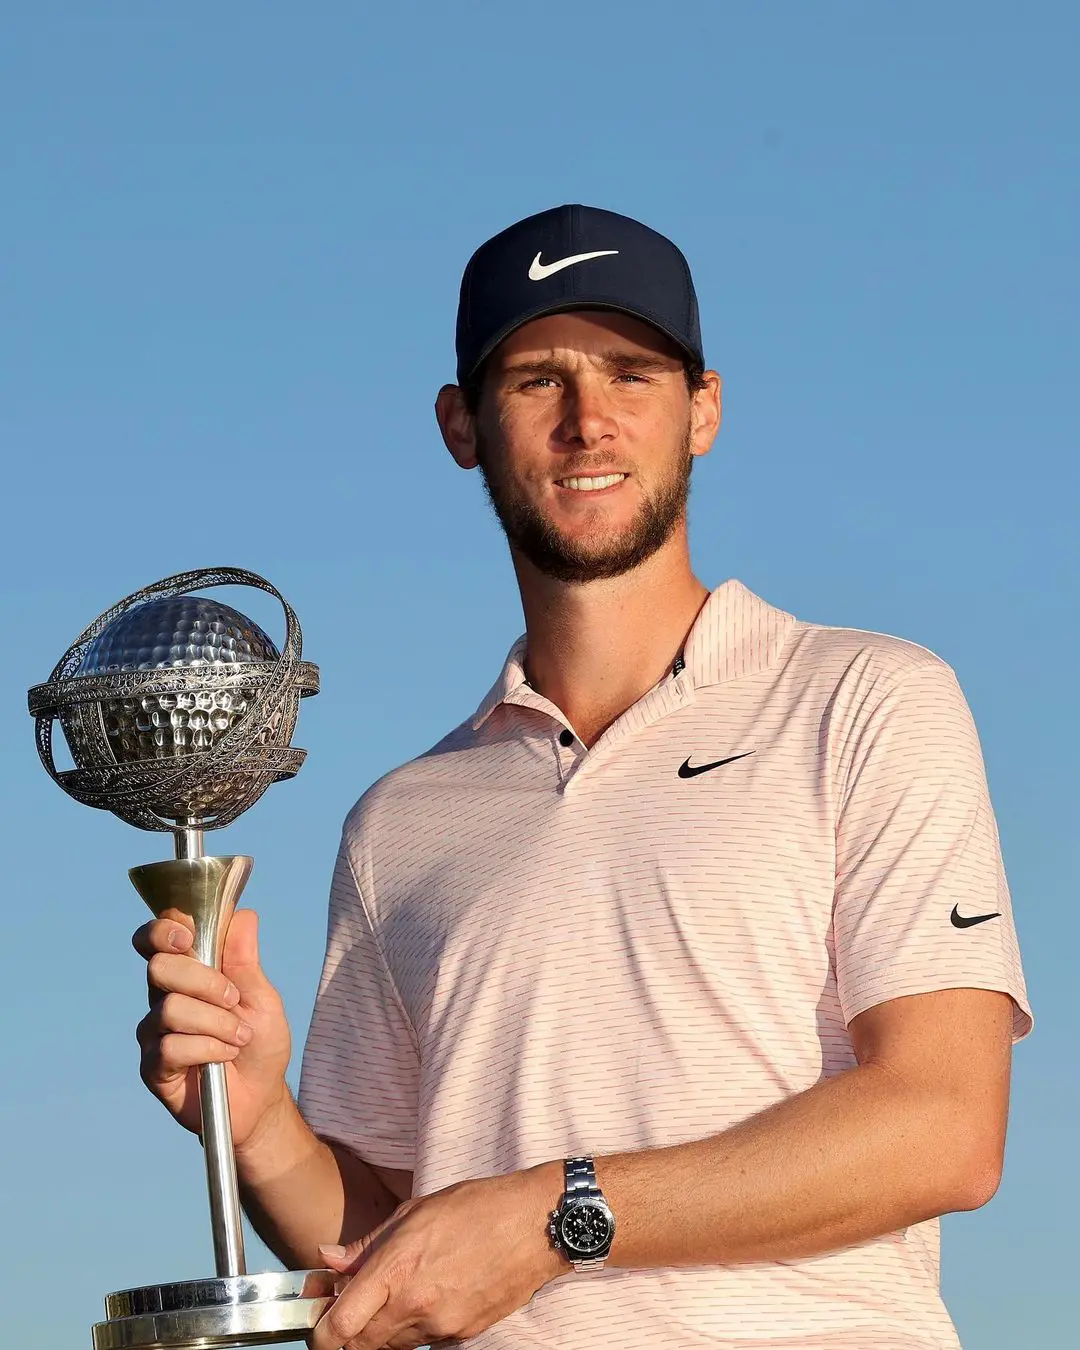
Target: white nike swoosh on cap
[(538, 271)]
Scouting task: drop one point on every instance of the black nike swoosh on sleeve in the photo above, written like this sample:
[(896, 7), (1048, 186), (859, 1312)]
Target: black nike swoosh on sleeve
[(958, 920)]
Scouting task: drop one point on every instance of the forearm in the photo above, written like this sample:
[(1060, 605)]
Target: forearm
[(855, 1156), (299, 1192)]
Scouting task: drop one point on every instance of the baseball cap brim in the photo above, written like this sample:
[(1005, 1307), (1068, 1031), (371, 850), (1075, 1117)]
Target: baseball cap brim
[(579, 303)]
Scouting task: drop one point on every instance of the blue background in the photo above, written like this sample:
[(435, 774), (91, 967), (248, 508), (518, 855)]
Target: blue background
[(230, 244)]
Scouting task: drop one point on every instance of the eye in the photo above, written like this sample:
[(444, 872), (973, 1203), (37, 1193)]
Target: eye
[(629, 376), (540, 382)]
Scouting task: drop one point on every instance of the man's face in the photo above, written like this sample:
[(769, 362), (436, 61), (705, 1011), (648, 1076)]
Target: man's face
[(585, 435)]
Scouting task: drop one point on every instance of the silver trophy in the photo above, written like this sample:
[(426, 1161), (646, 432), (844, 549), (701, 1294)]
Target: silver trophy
[(178, 712)]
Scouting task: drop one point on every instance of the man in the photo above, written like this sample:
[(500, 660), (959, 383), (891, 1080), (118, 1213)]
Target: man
[(695, 936)]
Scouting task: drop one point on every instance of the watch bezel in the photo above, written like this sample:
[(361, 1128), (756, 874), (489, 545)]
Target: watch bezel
[(569, 1207)]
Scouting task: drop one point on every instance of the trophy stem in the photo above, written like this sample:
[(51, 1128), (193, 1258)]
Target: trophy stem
[(189, 840), (226, 1218), (207, 889)]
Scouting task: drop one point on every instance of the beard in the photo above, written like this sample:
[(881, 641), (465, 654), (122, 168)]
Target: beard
[(531, 534)]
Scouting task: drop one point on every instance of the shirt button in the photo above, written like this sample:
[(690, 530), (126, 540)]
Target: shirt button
[(566, 737)]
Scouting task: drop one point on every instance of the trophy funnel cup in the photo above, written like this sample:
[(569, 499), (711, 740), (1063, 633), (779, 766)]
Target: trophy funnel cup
[(178, 712)]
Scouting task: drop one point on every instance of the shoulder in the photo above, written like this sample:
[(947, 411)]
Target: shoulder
[(855, 657), (888, 712), (874, 690), (418, 789)]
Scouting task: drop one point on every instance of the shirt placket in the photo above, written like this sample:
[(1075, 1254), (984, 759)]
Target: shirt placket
[(566, 746), (574, 761), (673, 693), (569, 752)]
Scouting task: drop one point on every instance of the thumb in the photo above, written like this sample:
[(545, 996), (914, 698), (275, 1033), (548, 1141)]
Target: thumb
[(240, 958), (345, 1260), (348, 1260)]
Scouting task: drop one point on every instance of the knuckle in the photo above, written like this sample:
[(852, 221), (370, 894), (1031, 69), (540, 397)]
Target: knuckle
[(149, 1067), (171, 1052), (145, 1031), (339, 1325), (166, 1050), (425, 1301), (157, 970)]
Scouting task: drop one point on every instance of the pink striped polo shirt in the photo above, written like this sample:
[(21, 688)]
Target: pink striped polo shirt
[(538, 951)]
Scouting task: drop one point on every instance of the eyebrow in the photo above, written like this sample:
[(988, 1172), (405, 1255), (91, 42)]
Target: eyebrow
[(609, 360)]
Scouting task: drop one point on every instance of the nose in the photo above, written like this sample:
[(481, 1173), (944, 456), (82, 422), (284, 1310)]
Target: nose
[(588, 417)]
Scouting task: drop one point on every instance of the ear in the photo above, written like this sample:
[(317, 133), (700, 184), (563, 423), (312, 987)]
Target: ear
[(706, 410), (457, 424)]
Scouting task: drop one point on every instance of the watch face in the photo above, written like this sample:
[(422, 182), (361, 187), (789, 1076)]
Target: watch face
[(586, 1227)]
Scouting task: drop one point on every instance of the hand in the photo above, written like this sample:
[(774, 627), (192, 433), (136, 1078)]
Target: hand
[(446, 1266), (201, 1016)]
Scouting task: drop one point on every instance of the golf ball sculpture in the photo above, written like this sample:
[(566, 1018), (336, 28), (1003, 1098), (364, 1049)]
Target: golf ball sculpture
[(178, 712), (176, 708)]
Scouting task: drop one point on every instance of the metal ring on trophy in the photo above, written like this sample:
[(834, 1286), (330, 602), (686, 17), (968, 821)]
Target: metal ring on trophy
[(144, 740), (232, 1291), (216, 1314)]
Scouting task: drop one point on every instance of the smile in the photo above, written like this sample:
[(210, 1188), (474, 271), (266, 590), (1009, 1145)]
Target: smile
[(592, 484)]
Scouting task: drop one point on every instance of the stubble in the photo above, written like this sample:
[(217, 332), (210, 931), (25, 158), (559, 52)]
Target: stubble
[(581, 560)]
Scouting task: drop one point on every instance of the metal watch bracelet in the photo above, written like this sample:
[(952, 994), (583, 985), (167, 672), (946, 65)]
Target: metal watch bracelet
[(579, 1183)]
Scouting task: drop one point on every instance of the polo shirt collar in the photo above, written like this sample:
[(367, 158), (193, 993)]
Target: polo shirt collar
[(510, 681), (736, 634)]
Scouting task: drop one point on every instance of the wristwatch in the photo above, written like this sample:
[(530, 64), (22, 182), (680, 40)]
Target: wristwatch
[(583, 1226)]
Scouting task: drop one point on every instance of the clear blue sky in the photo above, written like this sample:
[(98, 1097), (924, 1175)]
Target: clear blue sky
[(230, 243)]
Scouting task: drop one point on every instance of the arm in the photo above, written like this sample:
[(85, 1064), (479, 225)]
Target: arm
[(915, 1130), (298, 1190)]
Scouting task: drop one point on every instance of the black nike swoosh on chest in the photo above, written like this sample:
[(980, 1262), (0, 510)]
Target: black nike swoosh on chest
[(688, 771)]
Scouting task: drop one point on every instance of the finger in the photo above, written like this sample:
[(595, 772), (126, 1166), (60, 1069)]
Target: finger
[(347, 1317), (348, 1260), (164, 935), (387, 1332), (193, 1017), (336, 1257), (362, 1247), (173, 1053), (167, 974)]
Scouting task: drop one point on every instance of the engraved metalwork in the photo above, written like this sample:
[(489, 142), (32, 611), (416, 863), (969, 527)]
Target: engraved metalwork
[(178, 711), (176, 708), (219, 1314)]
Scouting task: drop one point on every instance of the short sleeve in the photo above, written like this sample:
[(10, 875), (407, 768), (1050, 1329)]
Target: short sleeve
[(922, 903), (359, 1080)]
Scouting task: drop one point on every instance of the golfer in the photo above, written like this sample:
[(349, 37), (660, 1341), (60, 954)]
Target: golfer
[(669, 1000)]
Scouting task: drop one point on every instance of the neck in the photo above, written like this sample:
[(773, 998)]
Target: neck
[(595, 648)]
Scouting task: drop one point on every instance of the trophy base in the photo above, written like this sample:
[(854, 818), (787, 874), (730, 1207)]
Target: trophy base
[(220, 1313)]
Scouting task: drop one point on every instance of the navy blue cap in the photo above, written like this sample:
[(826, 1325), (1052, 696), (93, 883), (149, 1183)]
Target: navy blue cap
[(573, 257)]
